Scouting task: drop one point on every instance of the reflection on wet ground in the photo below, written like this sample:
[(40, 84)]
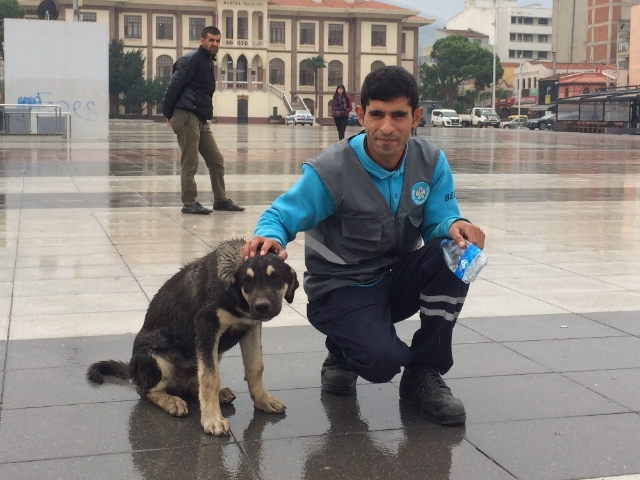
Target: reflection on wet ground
[(546, 348)]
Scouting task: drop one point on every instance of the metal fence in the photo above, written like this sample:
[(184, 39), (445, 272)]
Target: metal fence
[(19, 119)]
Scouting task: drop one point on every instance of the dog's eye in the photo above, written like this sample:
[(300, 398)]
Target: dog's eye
[(248, 280), (275, 276)]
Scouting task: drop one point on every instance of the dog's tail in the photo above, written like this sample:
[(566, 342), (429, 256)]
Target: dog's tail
[(110, 368)]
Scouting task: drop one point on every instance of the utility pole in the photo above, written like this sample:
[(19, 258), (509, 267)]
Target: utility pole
[(495, 40), (519, 89)]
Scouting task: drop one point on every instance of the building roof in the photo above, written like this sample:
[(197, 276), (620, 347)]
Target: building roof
[(464, 33), (510, 64), (348, 4)]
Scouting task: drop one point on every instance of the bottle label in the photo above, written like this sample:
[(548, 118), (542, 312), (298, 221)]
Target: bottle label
[(467, 257)]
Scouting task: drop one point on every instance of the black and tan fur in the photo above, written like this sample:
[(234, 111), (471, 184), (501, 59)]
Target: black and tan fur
[(206, 308)]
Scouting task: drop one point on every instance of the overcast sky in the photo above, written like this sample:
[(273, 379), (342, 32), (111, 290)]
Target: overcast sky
[(441, 11)]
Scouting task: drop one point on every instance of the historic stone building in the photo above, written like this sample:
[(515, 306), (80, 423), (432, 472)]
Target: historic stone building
[(262, 68)]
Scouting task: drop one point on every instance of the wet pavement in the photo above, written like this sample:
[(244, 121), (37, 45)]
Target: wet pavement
[(546, 350)]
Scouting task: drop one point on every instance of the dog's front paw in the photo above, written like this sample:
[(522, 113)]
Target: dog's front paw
[(269, 404), (226, 395), (216, 426)]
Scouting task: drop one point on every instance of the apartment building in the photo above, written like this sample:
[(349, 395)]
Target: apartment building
[(262, 67), (519, 31)]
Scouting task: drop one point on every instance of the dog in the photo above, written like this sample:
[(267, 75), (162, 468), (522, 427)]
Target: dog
[(205, 309)]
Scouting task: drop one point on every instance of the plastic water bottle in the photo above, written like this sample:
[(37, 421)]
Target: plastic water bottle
[(465, 263)]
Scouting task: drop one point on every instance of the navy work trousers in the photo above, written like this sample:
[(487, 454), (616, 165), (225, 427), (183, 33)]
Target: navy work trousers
[(359, 320)]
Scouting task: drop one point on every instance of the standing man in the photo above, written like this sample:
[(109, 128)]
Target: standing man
[(366, 204), (188, 107)]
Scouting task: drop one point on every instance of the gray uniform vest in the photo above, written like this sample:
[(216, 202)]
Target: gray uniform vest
[(365, 239)]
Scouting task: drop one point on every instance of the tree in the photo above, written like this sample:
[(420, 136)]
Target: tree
[(316, 63), (144, 92), (125, 71), (8, 9), (457, 60)]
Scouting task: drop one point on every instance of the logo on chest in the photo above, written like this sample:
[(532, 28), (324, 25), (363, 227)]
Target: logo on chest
[(419, 193)]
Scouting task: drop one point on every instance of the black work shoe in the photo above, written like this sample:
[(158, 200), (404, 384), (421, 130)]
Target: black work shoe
[(196, 209), (336, 379), (424, 386), (227, 206)]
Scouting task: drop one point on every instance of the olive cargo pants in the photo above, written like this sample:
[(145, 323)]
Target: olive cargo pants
[(193, 137)]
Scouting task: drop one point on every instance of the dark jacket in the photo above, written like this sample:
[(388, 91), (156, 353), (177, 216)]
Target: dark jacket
[(191, 86)]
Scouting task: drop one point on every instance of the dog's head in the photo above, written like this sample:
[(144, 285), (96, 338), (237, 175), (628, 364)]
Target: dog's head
[(258, 285)]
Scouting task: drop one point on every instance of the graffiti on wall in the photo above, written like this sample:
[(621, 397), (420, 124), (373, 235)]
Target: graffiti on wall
[(82, 109)]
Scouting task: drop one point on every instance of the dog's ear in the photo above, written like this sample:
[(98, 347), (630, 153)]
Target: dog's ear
[(288, 296), (234, 292)]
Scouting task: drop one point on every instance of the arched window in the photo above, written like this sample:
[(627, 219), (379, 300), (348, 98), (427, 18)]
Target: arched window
[(376, 65), (566, 92), (163, 67), (229, 66), (310, 105), (335, 73), (586, 90), (306, 73), (241, 69), (276, 72)]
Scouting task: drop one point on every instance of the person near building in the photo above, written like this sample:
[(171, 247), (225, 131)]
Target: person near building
[(188, 106), (340, 108), (367, 204)]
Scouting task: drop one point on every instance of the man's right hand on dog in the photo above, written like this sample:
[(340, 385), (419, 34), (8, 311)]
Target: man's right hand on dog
[(264, 245)]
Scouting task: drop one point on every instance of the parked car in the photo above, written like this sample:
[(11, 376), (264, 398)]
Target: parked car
[(422, 122), (542, 123), (353, 119), (511, 117), (444, 117), (515, 123), (299, 117), (480, 117)]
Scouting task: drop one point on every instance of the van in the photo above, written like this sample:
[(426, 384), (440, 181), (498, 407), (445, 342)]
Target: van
[(443, 117)]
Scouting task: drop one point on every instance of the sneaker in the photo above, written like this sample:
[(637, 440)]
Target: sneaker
[(227, 206), (425, 387), (336, 379), (196, 209)]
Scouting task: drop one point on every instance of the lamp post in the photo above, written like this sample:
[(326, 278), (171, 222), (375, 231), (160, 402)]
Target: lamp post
[(519, 89), (495, 40)]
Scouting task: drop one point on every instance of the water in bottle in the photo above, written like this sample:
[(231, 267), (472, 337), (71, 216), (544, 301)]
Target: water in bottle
[(466, 262)]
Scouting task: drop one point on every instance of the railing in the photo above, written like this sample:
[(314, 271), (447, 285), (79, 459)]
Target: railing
[(230, 42), (31, 119), (302, 102), (279, 93)]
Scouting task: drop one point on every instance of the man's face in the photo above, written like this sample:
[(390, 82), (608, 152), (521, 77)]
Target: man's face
[(211, 43), (388, 128)]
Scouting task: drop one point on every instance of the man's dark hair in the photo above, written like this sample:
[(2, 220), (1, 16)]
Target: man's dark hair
[(389, 83), (210, 31)]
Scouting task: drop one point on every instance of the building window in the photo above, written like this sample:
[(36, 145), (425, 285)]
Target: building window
[(276, 72), (378, 35), (513, 20), (229, 27), (543, 21), (88, 16), (586, 90), (527, 37), (132, 26), (335, 73), (241, 69), (512, 54), (276, 32), (543, 38), (512, 37), (243, 28), (527, 54), (163, 67), (335, 35), (519, 19), (623, 65), (164, 28), (196, 25), (307, 33), (404, 42), (306, 73), (228, 74), (528, 21), (376, 65), (566, 92), (543, 55)]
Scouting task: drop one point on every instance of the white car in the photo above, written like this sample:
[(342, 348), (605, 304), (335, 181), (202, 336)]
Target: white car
[(299, 117), (444, 117)]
